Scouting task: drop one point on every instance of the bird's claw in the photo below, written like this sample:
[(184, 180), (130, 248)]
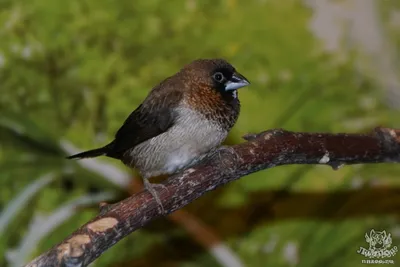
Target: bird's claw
[(151, 188), (227, 150)]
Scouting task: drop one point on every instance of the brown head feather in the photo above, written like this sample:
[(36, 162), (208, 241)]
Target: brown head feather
[(203, 94)]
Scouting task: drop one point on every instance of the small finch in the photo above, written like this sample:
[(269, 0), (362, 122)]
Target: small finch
[(181, 119)]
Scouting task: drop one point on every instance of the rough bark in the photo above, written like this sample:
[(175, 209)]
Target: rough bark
[(265, 150)]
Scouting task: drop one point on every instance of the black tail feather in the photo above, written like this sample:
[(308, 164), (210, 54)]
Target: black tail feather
[(91, 153)]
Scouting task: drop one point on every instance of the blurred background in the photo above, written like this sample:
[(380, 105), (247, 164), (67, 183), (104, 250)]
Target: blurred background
[(72, 71)]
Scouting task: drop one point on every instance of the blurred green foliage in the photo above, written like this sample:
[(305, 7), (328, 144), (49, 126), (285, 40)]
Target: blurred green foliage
[(75, 69)]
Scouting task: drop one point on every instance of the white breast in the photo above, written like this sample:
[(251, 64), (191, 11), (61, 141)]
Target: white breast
[(191, 136), (178, 159)]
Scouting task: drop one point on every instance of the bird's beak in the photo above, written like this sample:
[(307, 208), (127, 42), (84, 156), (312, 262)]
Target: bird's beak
[(237, 81)]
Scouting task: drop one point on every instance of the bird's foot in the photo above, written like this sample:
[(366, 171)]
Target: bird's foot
[(228, 150), (224, 153), (151, 188)]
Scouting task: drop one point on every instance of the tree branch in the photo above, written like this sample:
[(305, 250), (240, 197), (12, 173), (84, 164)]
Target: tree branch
[(265, 150)]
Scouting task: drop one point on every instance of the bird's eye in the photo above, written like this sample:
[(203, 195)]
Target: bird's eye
[(219, 77)]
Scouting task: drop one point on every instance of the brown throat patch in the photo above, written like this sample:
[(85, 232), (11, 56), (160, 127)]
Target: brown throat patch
[(214, 105)]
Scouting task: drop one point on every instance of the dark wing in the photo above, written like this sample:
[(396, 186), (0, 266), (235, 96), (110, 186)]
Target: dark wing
[(155, 116)]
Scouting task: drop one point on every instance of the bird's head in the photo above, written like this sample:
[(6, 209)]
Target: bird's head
[(215, 74)]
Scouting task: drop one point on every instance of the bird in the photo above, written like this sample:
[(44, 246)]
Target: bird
[(182, 119)]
